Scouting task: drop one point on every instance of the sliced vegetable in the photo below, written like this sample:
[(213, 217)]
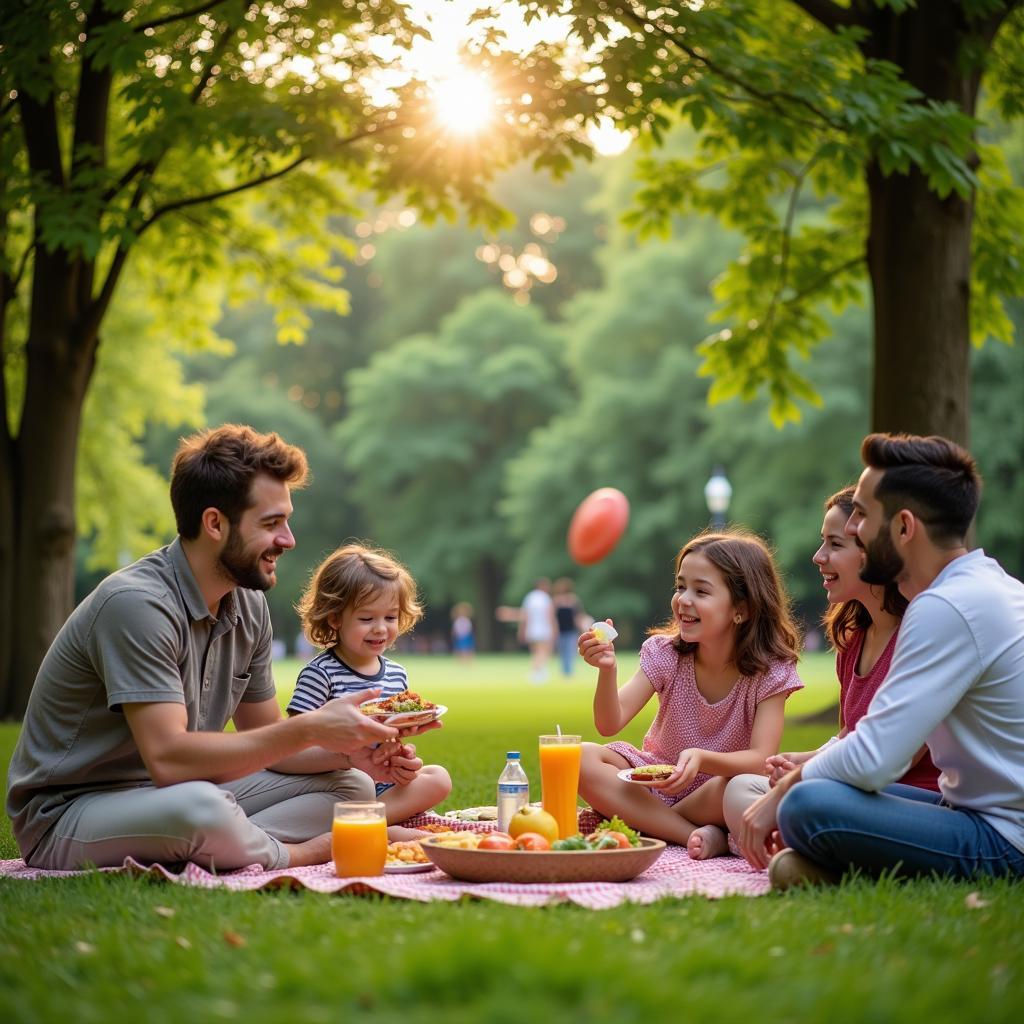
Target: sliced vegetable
[(618, 825), (572, 843)]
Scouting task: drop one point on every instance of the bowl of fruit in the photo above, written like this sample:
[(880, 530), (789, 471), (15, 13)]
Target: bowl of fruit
[(612, 853)]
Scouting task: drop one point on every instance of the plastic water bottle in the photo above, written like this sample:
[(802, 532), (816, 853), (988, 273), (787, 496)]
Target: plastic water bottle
[(513, 789)]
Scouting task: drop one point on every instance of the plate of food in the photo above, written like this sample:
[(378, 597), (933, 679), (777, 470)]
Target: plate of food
[(475, 865), (653, 775), (406, 857), (402, 709), (474, 814), (410, 868)]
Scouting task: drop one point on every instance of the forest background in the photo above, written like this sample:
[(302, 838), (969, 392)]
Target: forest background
[(482, 383), (216, 213)]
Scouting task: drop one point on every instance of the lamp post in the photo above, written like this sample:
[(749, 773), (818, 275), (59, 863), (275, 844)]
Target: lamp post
[(717, 493)]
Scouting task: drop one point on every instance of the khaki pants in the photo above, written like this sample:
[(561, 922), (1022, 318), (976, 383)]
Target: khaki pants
[(219, 827), (740, 793)]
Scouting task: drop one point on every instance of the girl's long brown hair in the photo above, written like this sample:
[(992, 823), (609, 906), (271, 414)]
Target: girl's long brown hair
[(768, 633), (843, 621)]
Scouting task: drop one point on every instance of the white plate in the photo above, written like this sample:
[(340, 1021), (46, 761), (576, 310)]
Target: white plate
[(627, 772), (407, 869), (406, 719), (473, 814)]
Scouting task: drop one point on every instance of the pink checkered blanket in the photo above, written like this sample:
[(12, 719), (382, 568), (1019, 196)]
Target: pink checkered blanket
[(672, 875)]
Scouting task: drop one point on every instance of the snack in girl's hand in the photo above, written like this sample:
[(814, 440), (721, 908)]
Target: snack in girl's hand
[(652, 772), (604, 632)]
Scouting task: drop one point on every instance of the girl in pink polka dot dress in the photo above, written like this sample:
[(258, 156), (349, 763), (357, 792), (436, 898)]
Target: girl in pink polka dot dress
[(722, 668)]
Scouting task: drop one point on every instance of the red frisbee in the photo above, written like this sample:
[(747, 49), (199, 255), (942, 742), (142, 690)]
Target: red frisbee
[(597, 524)]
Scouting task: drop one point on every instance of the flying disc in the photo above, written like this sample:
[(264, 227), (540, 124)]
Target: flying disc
[(597, 525)]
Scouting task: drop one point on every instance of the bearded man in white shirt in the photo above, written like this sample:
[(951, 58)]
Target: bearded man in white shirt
[(956, 683)]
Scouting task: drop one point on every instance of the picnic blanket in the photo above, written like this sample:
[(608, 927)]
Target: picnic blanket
[(672, 875)]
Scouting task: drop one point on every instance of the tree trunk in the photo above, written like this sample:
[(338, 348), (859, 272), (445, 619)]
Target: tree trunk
[(488, 590), (8, 546), (42, 581), (919, 260), (37, 480), (919, 245), (7, 513)]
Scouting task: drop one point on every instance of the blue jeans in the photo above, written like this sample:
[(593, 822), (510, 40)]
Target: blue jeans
[(902, 829), (568, 651)]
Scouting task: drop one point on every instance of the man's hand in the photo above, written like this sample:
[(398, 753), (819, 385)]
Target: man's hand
[(404, 764), (404, 732), (687, 767), (778, 765), (390, 762), (759, 837), (339, 726)]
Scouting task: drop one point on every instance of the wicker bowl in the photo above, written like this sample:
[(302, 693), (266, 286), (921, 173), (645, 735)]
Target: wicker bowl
[(549, 866)]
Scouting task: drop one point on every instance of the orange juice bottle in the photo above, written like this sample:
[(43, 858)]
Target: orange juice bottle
[(560, 780), (359, 839)]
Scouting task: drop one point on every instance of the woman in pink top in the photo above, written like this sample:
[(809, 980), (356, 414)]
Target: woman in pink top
[(722, 668), (861, 624)]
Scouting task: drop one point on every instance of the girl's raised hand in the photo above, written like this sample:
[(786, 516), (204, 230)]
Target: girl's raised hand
[(599, 654)]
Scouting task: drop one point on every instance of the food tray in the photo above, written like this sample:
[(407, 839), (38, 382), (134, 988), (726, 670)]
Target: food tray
[(549, 866)]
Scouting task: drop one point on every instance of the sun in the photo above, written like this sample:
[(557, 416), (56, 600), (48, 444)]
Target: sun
[(464, 102)]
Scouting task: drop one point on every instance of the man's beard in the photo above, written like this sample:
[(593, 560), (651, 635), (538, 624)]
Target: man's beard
[(242, 568), (882, 562)]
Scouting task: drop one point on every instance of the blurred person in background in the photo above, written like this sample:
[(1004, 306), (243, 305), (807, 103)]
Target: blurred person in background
[(572, 620)]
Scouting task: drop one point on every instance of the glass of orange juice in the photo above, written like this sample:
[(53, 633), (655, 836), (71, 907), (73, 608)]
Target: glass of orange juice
[(359, 838), (560, 780)]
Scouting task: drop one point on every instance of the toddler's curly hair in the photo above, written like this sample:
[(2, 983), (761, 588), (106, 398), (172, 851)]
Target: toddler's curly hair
[(353, 575)]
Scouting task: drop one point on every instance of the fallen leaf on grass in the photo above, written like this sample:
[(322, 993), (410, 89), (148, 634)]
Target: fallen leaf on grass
[(847, 928), (823, 950), (234, 939), (85, 948), (973, 901), (183, 942), (164, 911)]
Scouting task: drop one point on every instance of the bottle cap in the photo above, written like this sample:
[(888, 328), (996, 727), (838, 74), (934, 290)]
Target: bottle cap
[(512, 755)]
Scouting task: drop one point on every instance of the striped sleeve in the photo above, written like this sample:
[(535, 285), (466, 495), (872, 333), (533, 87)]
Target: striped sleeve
[(394, 680), (312, 690)]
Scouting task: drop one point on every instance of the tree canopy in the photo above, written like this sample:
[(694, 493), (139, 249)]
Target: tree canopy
[(142, 126), (870, 105), (189, 153)]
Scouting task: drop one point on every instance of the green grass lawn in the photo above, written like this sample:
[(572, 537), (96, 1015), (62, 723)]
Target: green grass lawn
[(97, 947)]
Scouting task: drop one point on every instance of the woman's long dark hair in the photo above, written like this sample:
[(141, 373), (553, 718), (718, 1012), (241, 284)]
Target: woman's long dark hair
[(843, 621)]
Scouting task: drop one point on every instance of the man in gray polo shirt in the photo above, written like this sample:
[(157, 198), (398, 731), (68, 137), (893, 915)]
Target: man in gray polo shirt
[(123, 750)]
